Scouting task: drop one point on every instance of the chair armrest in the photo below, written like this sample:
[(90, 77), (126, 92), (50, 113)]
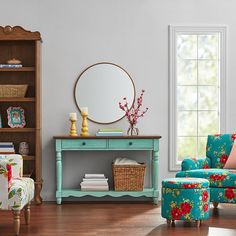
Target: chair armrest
[(5, 182), (196, 163), (16, 162)]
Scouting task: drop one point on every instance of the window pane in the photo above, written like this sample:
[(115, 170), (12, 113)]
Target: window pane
[(208, 72), (208, 46), (208, 98), (187, 72), (187, 97), (187, 46), (186, 147), (187, 123), (202, 141), (208, 123), (195, 76)]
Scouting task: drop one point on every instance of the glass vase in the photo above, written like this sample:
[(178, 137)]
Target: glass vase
[(132, 130)]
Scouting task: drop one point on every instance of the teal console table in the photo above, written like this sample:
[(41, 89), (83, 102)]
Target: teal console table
[(93, 143)]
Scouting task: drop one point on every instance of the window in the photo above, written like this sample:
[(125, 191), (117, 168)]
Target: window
[(197, 89)]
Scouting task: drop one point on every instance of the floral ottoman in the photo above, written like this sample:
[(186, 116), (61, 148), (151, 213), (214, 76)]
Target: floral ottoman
[(185, 199)]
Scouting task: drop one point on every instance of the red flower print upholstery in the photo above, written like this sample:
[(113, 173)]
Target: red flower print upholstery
[(222, 177), (185, 199)]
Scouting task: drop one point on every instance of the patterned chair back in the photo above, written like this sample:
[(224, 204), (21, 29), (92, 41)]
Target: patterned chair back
[(218, 149)]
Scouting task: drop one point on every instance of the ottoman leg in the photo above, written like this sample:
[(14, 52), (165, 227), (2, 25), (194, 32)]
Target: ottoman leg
[(215, 204), (168, 222), (198, 222)]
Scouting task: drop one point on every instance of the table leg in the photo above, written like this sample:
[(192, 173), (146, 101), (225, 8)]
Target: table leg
[(59, 176), (155, 176)]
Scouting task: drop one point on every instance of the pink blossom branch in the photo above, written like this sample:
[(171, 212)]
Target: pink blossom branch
[(133, 113)]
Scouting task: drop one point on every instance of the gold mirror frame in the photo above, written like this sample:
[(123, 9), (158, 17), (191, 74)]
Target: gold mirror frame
[(96, 64)]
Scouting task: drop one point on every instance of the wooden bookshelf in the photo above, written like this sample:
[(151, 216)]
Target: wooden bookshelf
[(17, 99), (17, 130), (29, 158), (28, 68), (18, 43)]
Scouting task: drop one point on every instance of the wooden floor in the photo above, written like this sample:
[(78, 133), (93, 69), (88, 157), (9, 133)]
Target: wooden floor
[(99, 219)]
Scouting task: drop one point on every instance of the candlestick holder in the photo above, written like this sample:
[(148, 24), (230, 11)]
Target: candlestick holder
[(84, 129), (73, 130)]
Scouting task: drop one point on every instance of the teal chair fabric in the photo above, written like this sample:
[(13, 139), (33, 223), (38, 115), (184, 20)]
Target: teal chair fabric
[(223, 195), (221, 178), (185, 199), (218, 149), (222, 181), (196, 163)]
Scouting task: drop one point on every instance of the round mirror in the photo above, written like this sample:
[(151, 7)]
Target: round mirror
[(101, 87)]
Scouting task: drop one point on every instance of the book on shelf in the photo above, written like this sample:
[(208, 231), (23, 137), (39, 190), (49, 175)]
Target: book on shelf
[(94, 176), (7, 148), (6, 143), (94, 179), (109, 134), (110, 130), (94, 182), (10, 65)]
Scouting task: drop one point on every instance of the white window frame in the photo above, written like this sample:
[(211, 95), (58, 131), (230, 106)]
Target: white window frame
[(173, 31)]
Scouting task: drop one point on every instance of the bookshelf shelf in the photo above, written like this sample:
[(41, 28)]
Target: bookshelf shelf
[(25, 99), (23, 45), (28, 68), (17, 130), (28, 158)]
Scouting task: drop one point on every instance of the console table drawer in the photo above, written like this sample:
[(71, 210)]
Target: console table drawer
[(131, 144), (83, 144)]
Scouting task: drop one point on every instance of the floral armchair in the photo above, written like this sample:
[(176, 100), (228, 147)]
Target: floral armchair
[(222, 181), (16, 192)]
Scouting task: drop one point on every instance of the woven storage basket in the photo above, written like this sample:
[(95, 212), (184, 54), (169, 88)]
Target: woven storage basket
[(128, 177), (13, 90)]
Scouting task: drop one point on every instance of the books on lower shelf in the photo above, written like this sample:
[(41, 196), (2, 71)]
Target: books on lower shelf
[(10, 65), (7, 148), (110, 132), (94, 182)]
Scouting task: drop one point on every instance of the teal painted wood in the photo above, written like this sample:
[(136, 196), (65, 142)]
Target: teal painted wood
[(84, 144), (131, 144), (107, 144), (155, 171), (148, 192), (59, 169)]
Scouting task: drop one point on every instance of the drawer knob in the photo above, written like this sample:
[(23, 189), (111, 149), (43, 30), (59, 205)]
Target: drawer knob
[(130, 143), (83, 143)]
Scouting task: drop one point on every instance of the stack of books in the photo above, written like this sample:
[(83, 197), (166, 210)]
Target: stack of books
[(10, 65), (94, 182), (7, 148), (110, 132)]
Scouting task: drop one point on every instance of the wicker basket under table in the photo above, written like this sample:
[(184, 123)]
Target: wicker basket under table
[(128, 177)]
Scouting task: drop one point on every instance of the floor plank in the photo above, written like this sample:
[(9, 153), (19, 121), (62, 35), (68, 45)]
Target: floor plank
[(114, 219)]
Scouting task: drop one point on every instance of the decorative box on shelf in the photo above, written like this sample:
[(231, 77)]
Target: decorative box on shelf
[(13, 90)]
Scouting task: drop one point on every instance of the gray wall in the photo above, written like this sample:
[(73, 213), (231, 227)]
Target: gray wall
[(132, 34)]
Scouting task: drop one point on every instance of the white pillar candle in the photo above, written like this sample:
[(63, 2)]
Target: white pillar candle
[(73, 116), (84, 110)]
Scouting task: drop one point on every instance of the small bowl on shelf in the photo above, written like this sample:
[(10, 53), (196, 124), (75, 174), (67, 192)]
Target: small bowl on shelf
[(14, 61)]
